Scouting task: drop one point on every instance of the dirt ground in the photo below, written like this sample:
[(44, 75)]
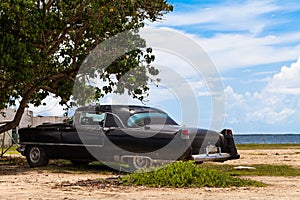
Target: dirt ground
[(25, 183)]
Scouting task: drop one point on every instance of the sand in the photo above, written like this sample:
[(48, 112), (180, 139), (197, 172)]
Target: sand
[(22, 182)]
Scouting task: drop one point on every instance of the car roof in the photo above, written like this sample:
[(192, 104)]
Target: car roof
[(119, 109)]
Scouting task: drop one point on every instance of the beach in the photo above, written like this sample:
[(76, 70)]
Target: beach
[(22, 182)]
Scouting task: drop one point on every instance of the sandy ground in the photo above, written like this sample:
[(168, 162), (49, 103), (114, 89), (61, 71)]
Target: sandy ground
[(24, 183)]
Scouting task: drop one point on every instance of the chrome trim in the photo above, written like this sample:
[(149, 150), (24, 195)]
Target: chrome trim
[(59, 144), (123, 158)]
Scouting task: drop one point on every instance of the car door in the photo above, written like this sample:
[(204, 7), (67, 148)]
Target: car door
[(133, 140), (86, 138)]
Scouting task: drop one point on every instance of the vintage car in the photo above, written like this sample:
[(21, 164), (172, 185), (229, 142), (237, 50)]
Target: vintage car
[(136, 135)]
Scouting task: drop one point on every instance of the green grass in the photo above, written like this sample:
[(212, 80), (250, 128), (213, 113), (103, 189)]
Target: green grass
[(12, 150), (260, 170), (186, 174), (267, 146)]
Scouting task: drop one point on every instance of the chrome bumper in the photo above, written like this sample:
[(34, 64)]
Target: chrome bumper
[(211, 157), (213, 153), (21, 150)]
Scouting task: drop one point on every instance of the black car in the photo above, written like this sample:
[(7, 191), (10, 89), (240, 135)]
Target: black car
[(137, 135)]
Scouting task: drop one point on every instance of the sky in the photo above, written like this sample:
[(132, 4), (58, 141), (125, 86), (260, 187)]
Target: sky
[(255, 48)]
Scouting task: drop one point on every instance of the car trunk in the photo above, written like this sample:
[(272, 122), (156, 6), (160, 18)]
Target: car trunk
[(205, 138)]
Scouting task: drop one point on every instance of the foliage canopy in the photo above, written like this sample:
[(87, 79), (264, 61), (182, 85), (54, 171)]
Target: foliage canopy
[(43, 43)]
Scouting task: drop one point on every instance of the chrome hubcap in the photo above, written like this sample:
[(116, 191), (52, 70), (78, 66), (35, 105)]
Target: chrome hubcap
[(35, 154)]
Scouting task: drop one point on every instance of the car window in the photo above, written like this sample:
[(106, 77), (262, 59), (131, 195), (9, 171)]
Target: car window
[(142, 119), (89, 118), (97, 117)]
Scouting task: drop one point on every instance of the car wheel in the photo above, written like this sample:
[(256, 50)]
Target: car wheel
[(138, 163), (36, 156)]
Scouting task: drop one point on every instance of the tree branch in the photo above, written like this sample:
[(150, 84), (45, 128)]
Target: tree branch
[(43, 87), (47, 7)]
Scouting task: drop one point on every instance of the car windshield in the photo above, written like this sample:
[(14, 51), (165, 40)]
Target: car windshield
[(149, 118)]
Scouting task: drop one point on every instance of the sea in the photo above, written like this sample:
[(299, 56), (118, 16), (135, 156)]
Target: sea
[(267, 138)]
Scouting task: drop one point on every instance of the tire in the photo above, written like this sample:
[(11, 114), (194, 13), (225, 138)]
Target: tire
[(36, 156), (139, 163)]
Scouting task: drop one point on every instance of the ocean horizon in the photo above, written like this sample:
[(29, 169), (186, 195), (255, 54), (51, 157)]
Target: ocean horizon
[(267, 133), (267, 138)]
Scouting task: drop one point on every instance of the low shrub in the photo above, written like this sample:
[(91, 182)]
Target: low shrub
[(185, 174)]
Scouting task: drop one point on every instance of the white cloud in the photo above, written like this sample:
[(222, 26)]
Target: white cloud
[(230, 51), (226, 16), (226, 51), (269, 116), (235, 105), (287, 81), (276, 103), (231, 96), (265, 73)]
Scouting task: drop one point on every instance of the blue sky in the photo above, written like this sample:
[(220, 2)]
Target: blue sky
[(255, 46)]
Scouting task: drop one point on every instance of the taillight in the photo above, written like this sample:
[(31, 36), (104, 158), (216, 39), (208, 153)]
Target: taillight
[(185, 134), (229, 132)]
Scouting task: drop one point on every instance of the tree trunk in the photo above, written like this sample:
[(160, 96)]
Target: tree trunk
[(20, 111)]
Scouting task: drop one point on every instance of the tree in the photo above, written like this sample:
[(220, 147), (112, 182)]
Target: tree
[(44, 43)]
